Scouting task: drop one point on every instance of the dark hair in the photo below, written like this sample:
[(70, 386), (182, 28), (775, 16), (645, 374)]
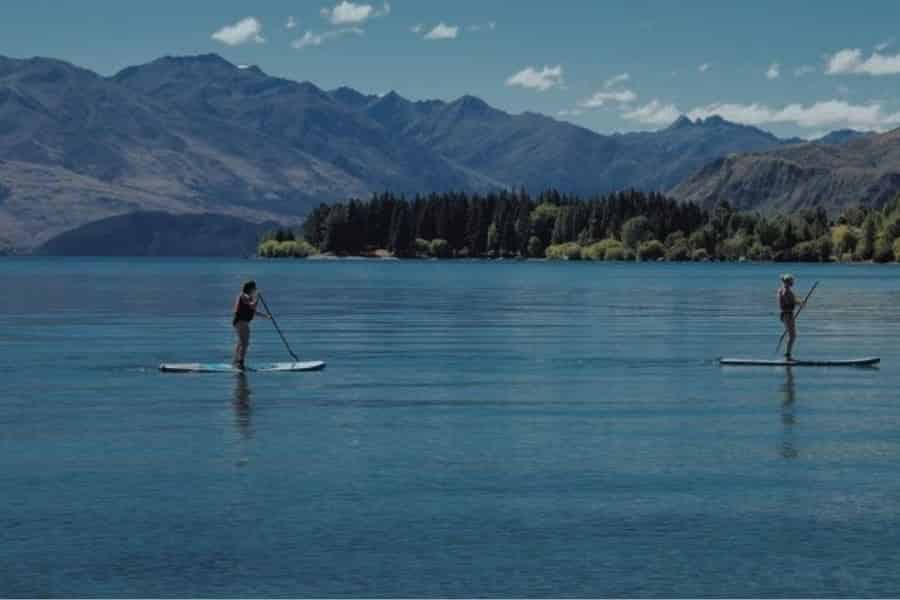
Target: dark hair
[(249, 286)]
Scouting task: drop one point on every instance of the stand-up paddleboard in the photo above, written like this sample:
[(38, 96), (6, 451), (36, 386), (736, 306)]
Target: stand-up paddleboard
[(286, 367), (749, 362)]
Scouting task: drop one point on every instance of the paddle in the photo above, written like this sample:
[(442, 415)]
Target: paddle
[(797, 314), (277, 328)]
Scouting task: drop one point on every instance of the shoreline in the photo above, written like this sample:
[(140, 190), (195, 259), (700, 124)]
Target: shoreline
[(326, 257)]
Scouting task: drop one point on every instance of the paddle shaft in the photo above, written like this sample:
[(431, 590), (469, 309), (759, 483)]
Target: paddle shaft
[(277, 328), (797, 314)]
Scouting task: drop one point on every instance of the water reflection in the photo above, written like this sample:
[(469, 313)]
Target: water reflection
[(242, 407), (788, 447)]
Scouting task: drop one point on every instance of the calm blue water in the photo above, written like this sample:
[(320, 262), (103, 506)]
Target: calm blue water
[(482, 429)]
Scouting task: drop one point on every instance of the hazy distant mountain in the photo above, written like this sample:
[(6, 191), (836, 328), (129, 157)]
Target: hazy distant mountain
[(198, 134), (160, 234), (862, 171), (539, 152), (842, 136)]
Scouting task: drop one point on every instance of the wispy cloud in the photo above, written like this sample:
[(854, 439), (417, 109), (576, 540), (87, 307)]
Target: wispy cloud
[(774, 71), (601, 98), (573, 112), (543, 80), (703, 68), (442, 31), (885, 45), (350, 13), (291, 23), (317, 39), (804, 70), (245, 30), (489, 26), (613, 81), (819, 115), (851, 61), (653, 113), (417, 29), (827, 113)]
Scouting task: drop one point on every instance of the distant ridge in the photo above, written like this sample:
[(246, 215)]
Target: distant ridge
[(833, 175), (160, 234), (188, 134)]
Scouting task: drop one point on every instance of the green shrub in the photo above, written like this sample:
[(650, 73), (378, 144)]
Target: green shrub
[(884, 251), (635, 231), (289, 249), (598, 250), (567, 251), (843, 239), (678, 250), (440, 248), (759, 252), (700, 255), (615, 253), (897, 250), (651, 250), (423, 247), (806, 252), (734, 248)]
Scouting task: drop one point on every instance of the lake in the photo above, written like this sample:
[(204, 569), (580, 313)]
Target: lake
[(482, 429)]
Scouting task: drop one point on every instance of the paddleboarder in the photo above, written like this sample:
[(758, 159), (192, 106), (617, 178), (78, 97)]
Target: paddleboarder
[(788, 303), (244, 311)]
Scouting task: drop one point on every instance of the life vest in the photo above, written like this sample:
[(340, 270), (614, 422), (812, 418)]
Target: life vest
[(243, 311), (786, 301)]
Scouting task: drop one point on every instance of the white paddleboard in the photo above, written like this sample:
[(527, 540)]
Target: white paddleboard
[(750, 362), (315, 365)]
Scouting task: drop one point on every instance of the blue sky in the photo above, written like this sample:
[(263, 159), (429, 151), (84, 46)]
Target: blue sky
[(794, 68)]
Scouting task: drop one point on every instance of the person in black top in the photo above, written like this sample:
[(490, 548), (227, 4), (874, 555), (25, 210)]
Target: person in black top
[(244, 311), (787, 303)]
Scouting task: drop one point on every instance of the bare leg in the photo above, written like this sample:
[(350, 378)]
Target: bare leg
[(242, 328), (792, 335)]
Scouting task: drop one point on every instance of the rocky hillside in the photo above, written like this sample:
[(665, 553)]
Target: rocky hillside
[(865, 171)]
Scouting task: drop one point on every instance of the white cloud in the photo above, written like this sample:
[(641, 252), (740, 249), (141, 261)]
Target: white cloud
[(885, 45), (804, 70), (317, 39), (620, 78), (291, 23), (653, 113), (851, 61), (827, 113), (601, 98), (349, 13), (245, 30), (774, 71), (703, 68), (443, 31), (542, 80)]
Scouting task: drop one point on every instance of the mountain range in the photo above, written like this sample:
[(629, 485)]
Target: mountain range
[(198, 134), (863, 171)]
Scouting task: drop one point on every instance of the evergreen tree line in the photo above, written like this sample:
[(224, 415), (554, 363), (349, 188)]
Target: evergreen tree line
[(620, 226)]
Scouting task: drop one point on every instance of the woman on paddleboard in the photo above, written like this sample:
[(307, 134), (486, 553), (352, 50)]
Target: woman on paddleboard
[(244, 311), (788, 304)]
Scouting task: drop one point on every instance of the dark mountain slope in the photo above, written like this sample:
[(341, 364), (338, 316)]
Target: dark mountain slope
[(862, 171)]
